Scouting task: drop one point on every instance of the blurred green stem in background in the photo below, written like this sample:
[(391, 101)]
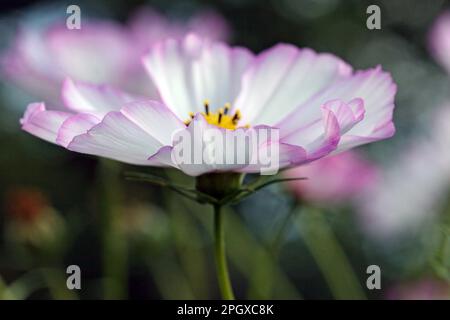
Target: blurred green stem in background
[(261, 282), (280, 234), (34, 280), (441, 262), (114, 257), (329, 255), (219, 252), (5, 292), (56, 282), (188, 244), (246, 254)]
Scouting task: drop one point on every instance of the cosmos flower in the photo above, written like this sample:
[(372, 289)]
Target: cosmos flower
[(333, 180), (100, 52), (319, 105), (439, 40)]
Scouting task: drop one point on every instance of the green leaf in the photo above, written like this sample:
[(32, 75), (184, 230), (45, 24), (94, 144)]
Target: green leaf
[(187, 192), (249, 189), (201, 197)]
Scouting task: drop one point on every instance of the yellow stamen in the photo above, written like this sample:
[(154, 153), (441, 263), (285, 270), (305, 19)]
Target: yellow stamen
[(221, 118), (227, 107), (237, 116), (206, 104)]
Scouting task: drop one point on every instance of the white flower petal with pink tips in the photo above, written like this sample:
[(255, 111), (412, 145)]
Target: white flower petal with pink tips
[(116, 137), (75, 125), (376, 89), (193, 70), (314, 102), (99, 100), (282, 78), (43, 123)]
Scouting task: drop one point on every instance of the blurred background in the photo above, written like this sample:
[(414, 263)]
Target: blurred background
[(386, 204)]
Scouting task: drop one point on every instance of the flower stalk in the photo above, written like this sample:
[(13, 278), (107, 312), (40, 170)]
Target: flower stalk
[(114, 248), (217, 189), (223, 275)]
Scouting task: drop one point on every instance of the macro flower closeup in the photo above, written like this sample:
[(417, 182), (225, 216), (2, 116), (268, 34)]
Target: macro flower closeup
[(194, 150), (316, 101)]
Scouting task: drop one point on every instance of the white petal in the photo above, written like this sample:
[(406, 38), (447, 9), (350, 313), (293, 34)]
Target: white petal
[(373, 86), (202, 148), (318, 138), (42, 123), (288, 155), (188, 72), (95, 99), (283, 78), (155, 118), (74, 126), (119, 138)]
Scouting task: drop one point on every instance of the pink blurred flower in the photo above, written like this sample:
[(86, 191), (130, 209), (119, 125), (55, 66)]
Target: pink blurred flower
[(320, 105), (333, 179), (100, 52), (411, 190), (149, 27), (439, 40), (424, 289)]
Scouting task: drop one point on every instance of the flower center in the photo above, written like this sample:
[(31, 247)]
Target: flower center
[(221, 118)]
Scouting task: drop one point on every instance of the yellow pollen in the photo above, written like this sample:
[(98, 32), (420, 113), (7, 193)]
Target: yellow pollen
[(221, 118)]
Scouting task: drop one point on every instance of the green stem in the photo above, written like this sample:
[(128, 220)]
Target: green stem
[(330, 257), (243, 247), (262, 280), (113, 243), (442, 256), (5, 292), (223, 276)]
